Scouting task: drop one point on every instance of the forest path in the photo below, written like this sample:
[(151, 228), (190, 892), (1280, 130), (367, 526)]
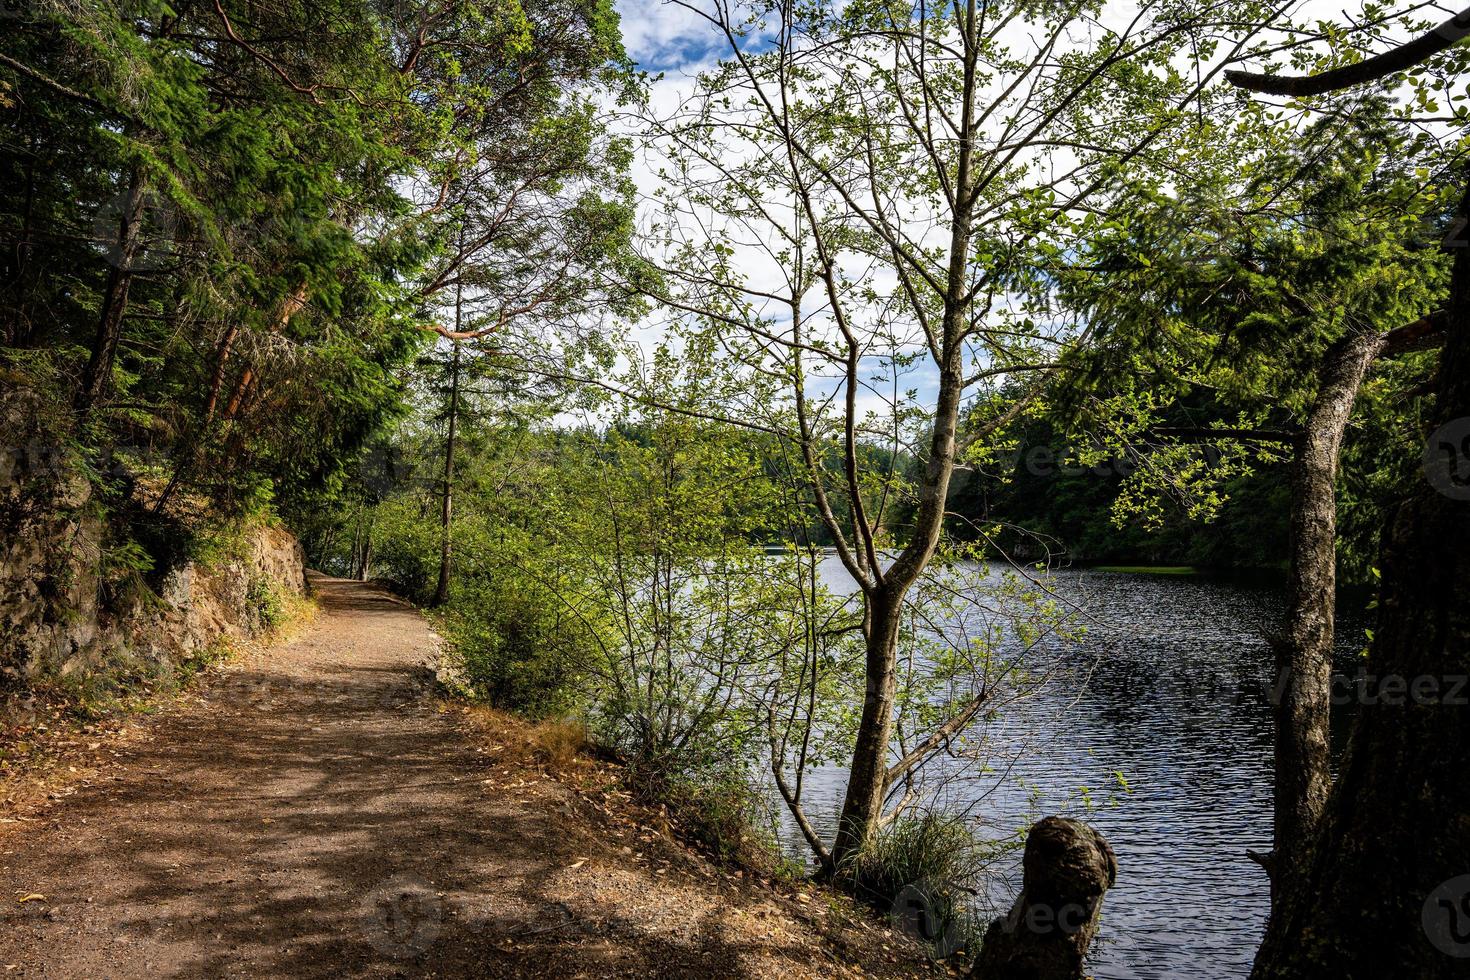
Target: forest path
[(315, 811)]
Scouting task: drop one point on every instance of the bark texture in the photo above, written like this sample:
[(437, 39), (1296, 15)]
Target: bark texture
[(867, 784), (1068, 868), (1304, 657), (1401, 58), (446, 501), (97, 382)]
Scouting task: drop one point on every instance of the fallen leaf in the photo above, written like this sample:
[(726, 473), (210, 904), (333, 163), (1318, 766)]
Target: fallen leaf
[(32, 897), (577, 864)]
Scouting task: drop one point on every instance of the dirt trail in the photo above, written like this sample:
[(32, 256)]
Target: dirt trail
[(315, 811)]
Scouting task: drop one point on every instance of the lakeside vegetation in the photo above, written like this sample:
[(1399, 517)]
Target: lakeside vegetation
[(956, 295)]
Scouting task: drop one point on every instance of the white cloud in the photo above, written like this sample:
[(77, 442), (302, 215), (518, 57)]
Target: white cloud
[(662, 36)]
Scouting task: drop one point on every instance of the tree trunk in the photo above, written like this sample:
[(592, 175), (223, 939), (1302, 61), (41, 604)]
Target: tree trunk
[(367, 550), (867, 785), (97, 381), (1068, 867), (867, 781), (1304, 656), (1383, 890), (363, 544), (217, 379), (18, 331), (290, 306), (441, 591)]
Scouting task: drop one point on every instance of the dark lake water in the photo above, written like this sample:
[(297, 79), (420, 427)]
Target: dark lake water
[(1171, 690)]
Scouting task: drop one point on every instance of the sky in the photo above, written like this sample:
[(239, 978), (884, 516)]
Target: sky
[(668, 40), (665, 37)]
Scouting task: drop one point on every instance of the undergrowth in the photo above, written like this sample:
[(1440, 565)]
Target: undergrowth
[(925, 873)]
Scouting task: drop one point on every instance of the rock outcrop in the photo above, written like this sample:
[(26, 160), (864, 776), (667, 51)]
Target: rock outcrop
[(62, 613)]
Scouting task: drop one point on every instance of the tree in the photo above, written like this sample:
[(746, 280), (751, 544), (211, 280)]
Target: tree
[(921, 174), (1277, 285), (227, 226), (1375, 894), (441, 589)]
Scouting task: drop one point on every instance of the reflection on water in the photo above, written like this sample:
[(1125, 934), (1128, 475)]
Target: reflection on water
[(1169, 688)]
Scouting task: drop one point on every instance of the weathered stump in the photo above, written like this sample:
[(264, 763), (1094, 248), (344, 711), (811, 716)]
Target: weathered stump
[(1068, 866)]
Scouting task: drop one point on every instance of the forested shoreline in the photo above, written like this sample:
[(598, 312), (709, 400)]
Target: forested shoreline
[(601, 361)]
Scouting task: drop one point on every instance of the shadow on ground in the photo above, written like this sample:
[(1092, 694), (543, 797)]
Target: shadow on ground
[(316, 813)]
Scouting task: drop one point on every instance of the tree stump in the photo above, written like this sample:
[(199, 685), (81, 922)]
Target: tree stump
[(1067, 866)]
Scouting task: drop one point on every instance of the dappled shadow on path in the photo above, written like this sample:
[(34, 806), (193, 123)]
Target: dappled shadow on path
[(316, 813)]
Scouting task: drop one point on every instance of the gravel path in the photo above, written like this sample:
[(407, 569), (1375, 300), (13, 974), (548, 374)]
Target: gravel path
[(314, 811)]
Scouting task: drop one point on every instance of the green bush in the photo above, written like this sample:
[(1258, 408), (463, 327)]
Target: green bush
[(262, 601), (516, 645), (406, 548)]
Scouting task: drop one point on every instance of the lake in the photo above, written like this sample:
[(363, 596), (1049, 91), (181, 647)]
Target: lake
[(1170, 689)]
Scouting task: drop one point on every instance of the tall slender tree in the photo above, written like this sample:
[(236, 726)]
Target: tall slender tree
[(893, 184), (1276, 282)]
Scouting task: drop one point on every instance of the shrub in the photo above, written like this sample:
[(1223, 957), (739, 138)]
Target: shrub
[(406, 548), (719, 808), (263, 604), (517, 647)]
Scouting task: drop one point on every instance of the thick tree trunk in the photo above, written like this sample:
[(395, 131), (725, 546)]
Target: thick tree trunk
[(1068, 867), (97, 381), (441, 590), (1383, 891), (1304, 656)]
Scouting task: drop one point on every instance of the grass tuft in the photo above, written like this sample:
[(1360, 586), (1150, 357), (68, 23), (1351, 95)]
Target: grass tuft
[(924, 872)]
